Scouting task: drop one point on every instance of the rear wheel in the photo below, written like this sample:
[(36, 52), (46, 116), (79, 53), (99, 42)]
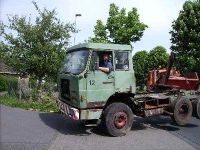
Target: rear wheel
[(198, 87), (196, 108), (182, 111), (118, 119)]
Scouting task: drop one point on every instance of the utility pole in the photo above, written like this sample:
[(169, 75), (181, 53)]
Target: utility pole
[(76, 15)]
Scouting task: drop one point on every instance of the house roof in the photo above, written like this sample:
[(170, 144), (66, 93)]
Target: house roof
[(5, 68)]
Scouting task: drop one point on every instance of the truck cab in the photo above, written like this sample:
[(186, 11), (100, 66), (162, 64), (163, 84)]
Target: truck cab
[(84, 90)]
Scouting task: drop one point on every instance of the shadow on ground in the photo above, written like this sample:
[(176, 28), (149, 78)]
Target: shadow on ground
[(66, 125), (160, 122)]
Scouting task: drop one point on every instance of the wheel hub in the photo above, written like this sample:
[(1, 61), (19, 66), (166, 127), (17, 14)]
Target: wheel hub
[(183, 110), (120, 119)]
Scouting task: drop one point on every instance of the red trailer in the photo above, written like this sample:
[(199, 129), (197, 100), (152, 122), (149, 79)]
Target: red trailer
[(175, 80), (171, 78)]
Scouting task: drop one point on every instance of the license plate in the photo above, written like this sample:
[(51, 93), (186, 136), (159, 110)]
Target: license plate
[(63, 107), (67, 110)]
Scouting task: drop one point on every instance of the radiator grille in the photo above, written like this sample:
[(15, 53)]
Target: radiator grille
[(65, 92)]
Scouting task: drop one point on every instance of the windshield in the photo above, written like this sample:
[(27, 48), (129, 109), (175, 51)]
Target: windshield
[(75, 62)]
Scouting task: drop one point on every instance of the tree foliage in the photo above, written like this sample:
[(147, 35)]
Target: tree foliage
[(158, 57), (2, 47), (140, 65), (144, 61), (36, 47), (121, 28), (100, 33), (185, 36)]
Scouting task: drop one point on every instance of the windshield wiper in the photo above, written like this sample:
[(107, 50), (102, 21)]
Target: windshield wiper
[(67, 72)]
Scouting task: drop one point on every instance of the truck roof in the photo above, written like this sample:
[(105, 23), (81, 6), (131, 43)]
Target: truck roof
[(101, 46)]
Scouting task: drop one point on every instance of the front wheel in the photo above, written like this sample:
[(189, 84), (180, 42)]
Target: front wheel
[(182, 111), (118, 119)]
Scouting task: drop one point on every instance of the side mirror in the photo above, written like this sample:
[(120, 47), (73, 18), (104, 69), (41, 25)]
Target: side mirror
[(126, 67)]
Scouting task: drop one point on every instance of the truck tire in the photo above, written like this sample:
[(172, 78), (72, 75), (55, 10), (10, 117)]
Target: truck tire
[(198, 87), (196, 108), (118, 119), (182, 111)]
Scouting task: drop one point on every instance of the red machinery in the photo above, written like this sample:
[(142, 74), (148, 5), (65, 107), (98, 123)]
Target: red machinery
[(168, 78)]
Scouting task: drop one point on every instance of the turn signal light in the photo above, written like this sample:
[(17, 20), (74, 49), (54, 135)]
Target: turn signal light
[(82, 97)]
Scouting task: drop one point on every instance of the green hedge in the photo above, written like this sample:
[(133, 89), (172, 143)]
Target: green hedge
[(8, 83)]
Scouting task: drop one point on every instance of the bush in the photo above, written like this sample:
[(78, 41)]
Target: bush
[(3, 86), (33, 83), (8, 83)]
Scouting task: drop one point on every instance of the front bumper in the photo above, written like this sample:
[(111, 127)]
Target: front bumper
[(79, 114), (72, 112)]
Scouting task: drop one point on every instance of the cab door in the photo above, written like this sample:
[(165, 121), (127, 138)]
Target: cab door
[(100, 85), (124, 75)]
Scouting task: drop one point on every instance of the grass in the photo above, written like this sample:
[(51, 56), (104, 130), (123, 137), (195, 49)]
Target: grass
[(36, 106)]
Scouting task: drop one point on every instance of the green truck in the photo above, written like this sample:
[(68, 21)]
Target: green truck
[(87, 93)]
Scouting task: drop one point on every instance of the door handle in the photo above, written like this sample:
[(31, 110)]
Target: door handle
[(110, 77), (107, 82)]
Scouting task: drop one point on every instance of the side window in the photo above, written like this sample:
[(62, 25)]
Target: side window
[(101, 59), (121, 61)]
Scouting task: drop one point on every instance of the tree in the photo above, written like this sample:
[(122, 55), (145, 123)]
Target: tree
[(143, 62), (157, 57), (100, 33), (121, 28), (185, 36), (140, 65), (186, 64), (1, 50), (36, 48)]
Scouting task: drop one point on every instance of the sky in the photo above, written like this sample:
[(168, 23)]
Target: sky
[(157, 14)]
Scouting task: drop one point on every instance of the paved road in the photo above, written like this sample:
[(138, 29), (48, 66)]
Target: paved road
[(21, 129), (189, 133)]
